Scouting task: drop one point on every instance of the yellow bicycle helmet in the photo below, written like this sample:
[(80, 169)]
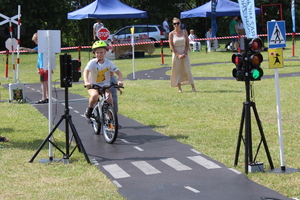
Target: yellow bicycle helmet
[(99, 44)]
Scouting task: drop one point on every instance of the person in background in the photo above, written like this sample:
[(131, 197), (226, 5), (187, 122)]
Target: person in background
[(181, 67), (241, 30), (233, 31), (96, 28), (209, 41), (183, 25), (40, 70), (196, 44), (166, 27)]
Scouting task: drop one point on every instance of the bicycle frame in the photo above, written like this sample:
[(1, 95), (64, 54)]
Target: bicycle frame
[(104, 116)]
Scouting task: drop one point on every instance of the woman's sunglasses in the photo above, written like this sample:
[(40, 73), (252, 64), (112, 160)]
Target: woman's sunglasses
[(176, 23)]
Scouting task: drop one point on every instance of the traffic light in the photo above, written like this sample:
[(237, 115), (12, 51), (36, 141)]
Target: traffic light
[(254, 59), (239, 71), (76, 71), (69, 70)]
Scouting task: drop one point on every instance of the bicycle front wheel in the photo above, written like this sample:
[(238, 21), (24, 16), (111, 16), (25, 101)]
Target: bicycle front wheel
[(96, 121), (110, 125)]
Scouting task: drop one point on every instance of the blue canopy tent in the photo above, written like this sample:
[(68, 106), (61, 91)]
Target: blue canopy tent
[(224, 8), (107, 9)]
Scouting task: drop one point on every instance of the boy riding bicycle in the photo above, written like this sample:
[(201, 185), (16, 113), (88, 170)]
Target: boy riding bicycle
[(97, 72)]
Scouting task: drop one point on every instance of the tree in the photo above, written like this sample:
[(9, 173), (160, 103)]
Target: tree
[(52, 15)]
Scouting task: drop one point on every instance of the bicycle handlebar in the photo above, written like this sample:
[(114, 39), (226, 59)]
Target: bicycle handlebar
[(105, 87)]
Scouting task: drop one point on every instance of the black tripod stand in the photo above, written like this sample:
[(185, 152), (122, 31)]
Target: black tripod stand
[(68, 122), (246, 118)]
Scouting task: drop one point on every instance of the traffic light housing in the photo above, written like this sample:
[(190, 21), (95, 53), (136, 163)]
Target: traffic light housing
[(254, 59), (76, 64), (69, 70), (239, 71)]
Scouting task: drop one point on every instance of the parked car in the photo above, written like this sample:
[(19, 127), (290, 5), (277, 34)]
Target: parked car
[(154, 32)]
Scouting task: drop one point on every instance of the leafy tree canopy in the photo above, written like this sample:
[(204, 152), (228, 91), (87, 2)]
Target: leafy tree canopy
[(52, 15)]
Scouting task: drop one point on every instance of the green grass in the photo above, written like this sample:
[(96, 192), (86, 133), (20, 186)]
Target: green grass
[(208, 120)]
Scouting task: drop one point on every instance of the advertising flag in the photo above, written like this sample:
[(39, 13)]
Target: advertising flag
[(247, 10)]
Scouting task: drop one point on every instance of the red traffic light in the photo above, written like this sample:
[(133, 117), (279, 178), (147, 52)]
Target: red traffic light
[(255, 45), (237, 59)]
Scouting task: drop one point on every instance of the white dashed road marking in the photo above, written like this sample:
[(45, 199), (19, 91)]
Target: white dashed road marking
[(146, 167), (138, 148), (116, 171), (204, 162), (192, 189), (175, 164)]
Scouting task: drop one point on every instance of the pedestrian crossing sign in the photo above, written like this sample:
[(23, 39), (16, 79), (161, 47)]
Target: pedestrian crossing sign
[(275, 58), (276, 34)]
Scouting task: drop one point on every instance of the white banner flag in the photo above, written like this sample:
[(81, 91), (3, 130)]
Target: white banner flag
[(247, 10)]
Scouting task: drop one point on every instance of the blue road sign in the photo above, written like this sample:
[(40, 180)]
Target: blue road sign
[(276, 34)]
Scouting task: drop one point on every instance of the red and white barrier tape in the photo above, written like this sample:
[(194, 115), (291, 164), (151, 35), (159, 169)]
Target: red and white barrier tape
[(165, 41)]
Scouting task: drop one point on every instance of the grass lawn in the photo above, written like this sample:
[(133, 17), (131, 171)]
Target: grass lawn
[(208, 120)]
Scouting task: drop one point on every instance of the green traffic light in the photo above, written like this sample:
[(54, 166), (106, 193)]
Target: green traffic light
[(256, 74)]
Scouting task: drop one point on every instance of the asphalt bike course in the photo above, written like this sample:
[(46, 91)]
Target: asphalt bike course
[(145, 164)]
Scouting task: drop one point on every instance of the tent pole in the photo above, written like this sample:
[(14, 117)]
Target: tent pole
[(89, 42), (205, 34)]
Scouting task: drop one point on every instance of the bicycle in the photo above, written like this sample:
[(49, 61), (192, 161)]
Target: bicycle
[(104, 116)]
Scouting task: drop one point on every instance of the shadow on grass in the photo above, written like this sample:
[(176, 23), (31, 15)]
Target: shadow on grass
[(176, 137), (224, 91), (5, 130), (35, 144)]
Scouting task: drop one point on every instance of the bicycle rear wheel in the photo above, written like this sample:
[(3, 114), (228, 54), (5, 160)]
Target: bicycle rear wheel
[(110, 125), (95, 119)]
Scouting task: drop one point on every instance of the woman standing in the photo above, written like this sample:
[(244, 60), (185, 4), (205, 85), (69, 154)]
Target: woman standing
[(181, 66)]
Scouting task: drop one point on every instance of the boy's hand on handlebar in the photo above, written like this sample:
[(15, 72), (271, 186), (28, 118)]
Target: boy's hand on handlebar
[(88, 86)]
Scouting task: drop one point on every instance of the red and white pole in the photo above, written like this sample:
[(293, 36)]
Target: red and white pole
[(18, 45), (239, 47), (12, 52), (162, 52), (6, 65)]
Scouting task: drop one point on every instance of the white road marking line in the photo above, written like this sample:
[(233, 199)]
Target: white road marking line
[(172, 162), (197, 152), (76, 111), (138, 148), (204, 162), (146, 167), (192, 189), (235, 171), (95, 161), (117, 183), (116, 171), (125, 141)]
